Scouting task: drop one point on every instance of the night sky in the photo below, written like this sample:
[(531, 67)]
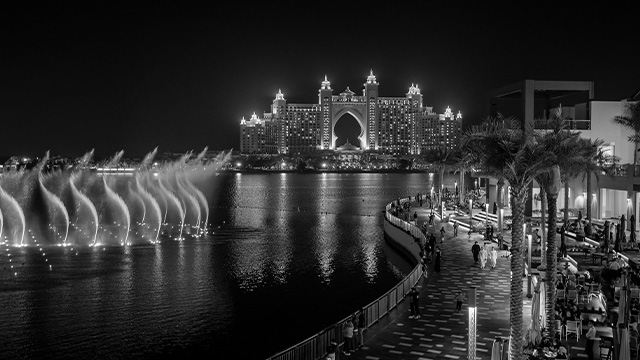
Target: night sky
[(117, 76)]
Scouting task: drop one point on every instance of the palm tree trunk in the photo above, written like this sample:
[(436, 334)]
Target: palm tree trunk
[(499, 193), (566, 201), (552, 190), (589, 195), (500, 204), (518, 198), (552, 264), (461, 188), (543, 210)]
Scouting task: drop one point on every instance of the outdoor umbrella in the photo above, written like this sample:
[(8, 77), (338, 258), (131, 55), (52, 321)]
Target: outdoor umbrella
[(622, 305), (625, 351), (632, 227), (534, 327), (496, 349)]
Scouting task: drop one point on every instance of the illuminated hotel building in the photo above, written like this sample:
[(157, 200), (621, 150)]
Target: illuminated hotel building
[(388, 125)]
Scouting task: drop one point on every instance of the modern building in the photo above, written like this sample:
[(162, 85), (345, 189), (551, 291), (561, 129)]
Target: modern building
[(534, 101), (388, 125)]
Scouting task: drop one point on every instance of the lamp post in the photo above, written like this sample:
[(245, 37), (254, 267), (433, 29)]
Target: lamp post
[(529, 247), (431, 198), (473, 316), (470, 213), (486, 214)]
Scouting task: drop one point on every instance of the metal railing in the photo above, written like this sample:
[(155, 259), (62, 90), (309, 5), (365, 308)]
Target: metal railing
[(314, 347)]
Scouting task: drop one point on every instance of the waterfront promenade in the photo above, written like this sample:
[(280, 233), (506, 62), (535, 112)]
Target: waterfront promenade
[(441, 333)]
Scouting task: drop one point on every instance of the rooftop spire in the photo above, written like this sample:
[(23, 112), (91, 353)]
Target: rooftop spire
[(371, 79), (326, 85)]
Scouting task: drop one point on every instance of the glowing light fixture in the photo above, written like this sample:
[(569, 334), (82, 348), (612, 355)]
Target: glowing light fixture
[(473, 316)]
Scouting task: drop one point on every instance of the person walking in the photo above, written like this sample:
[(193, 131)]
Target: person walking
[(455, 228), (362, 324), (591, 337), (459, 299), (347, 334), (415, 217), (442, 232), (431, 217), (436, 267), (414, 296), (475, 250), (483, 257), (494, 257)]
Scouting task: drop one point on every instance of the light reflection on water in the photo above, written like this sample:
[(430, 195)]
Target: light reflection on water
[(290, 255)]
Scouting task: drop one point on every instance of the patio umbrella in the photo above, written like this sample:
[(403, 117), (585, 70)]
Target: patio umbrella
[(632, 227), (496, 349), (625, 351), (534, 327), (622, 306)]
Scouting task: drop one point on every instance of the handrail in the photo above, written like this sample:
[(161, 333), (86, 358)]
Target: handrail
[(314, 347)]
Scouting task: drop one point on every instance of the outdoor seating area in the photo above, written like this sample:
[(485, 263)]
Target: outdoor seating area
[(590, 287)]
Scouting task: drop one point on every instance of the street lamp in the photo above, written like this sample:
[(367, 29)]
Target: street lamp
[(529, 248), (473, 316), (486, 215)]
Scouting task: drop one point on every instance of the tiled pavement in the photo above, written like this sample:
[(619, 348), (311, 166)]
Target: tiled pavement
[(441, 333)]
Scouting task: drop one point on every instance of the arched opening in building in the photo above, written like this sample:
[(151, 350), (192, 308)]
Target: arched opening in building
[(347, 128)]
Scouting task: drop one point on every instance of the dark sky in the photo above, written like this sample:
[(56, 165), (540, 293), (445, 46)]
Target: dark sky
[(117, 76)]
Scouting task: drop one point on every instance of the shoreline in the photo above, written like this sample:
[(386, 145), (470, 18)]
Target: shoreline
[(388, 171)]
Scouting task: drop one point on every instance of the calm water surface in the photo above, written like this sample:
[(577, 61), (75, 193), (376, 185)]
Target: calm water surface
[(287, 255)]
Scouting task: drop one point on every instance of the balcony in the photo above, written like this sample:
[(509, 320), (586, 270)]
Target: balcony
[(541, 124)]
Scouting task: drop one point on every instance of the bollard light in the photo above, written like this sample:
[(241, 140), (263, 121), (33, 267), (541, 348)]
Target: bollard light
[(473, 316)]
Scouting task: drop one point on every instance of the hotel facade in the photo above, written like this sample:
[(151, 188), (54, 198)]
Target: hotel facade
[(388, 125)]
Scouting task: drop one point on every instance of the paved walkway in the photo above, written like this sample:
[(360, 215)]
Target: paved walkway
[(441, 333)]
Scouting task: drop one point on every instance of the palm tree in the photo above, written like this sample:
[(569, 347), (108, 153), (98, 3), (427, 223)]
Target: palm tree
[(597, 162), (631, 121), (557, 140), (503, 145), (442, 160), (462, 166)]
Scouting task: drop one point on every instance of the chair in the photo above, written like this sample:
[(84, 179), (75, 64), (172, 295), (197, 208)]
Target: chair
[(633, 346), (635, 293), (572, 295), (583, 297), (606, 351), (573, 327), (560, 328), (560, 294), (581, 280)]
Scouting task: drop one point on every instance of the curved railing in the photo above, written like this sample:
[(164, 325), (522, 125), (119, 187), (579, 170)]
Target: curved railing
[(314, 347)]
